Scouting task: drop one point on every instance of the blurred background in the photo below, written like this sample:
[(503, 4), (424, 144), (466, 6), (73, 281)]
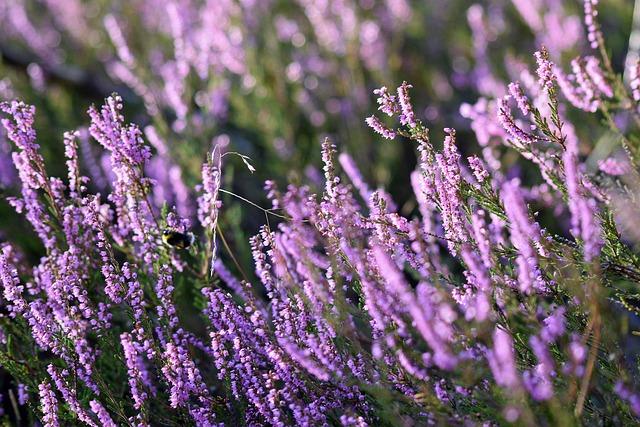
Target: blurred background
[(270, 79)]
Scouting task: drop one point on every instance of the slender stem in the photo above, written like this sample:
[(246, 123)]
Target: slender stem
[(233, 258), (14, 405), (268, 211), (586, 379)]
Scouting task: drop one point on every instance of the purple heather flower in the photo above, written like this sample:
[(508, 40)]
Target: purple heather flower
[(30, 167), (447, 184), (332, 181), (441, 391), (209, 203), (529, 13), (118, 40), (477, 300), (426, 228), (11, 288), (613, 167), (178, 223), (164, 291), (49, 405), (554, 325), (545, 69), (333, 24), (185, 380), (521, 99), (69, 395), (443, 357), (350, 168), (538, 381), (23, 394), (134, 296), (595, 73), (21, 131), (102, 414), (627, 394), (351, 421), (523, 232), (91, 161), (114, 283), (484, 79), (575, 94), (304, 358), (136, 369), (509, 124), (590, 19), (232, 282), (375, 124), (407, 117), (376, 303), (42, 40), (475, 267), (128, 156), (36, 77), (8, 172), (169, 186), (584, 221), (586, 87), (43, 327), (501, 360), (481, 236), (388, 103), (244, 354), (71, 153), (478, 169), (577, 356)]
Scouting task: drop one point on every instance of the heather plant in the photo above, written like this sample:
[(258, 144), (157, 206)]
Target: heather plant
[(267, 78), (275, 73), (496, 298), (272, 76)]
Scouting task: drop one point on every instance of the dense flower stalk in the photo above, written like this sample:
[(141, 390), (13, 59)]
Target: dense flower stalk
[(23, 394), (49, 405), (186, 382), (509, 124), (11, 288), (350, 168), (590, 19), (103, 416), (523, 233), (546, 75), (406, 108), (388, 103), (584, 220), (139, 376), (209, 202), (447, 183), (502, 360), (478, 169), (71, 153), (70, 395), (30, 166), (521, 99), (613, 166), (442, 355), (595, 73), (375, 124)]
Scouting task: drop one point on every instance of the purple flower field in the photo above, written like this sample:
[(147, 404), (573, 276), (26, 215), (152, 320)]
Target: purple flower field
[(319, 213)]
